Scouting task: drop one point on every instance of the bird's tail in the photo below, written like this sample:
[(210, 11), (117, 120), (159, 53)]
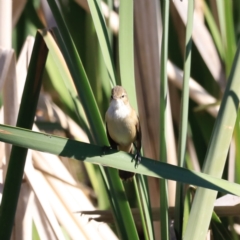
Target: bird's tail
[(125, 175)]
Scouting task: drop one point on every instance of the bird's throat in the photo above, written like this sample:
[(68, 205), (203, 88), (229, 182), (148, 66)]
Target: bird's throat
[(118, 110)]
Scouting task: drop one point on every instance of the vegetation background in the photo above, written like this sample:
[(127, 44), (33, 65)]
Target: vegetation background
[(179, 62)]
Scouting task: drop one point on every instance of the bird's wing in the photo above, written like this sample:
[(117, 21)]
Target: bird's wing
[(112, 143), (138, 141)]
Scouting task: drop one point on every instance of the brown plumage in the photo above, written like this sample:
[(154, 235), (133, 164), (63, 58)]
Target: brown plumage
[(123, 126)]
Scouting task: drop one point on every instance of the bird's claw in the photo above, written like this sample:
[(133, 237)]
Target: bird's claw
[(137, 157)]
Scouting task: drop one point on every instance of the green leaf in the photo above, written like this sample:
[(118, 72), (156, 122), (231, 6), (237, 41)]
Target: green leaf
[(217, 154), (126, 50), (227, 32), (18, 155), (146, 208), (102, 34), (110, 158), (214, 30), (56, 57), (219, 230), (184, 118), (163, 120)]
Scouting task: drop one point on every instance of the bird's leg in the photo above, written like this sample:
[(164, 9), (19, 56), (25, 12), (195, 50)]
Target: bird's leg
[(137, 158)]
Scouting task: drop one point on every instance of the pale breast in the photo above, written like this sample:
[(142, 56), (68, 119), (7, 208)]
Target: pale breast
[(121, 129)]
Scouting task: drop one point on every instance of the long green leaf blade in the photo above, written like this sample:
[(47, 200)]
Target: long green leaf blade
[(126, 62), (184, 117), (145, 205), (103, 38), (126, 50), (60, 63), (216, 154), (214, 30), (227, 32), (18, 154), (120, 160), (141, 210), (163, 120)]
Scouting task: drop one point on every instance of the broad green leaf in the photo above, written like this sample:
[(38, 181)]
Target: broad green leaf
[(110, 158), (126, 50), (216, 155)]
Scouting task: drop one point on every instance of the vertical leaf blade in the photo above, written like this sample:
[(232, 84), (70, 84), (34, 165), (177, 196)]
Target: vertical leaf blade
[(102, 34), (184, 117), (18, 154), (216, 154), (126, 50), (163, 120)]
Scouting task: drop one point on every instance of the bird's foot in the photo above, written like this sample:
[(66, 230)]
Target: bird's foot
[(137, 157)]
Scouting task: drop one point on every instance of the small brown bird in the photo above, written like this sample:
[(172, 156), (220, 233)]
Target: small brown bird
[(123, 127)]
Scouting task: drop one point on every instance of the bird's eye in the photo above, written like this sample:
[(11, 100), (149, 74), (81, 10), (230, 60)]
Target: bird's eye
[(111, 97), (122, 96)]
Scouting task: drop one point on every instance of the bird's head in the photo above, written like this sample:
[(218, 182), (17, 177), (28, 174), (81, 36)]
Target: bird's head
[(119, 97)]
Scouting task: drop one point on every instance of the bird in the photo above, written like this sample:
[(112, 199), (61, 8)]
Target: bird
[(123, 127)]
